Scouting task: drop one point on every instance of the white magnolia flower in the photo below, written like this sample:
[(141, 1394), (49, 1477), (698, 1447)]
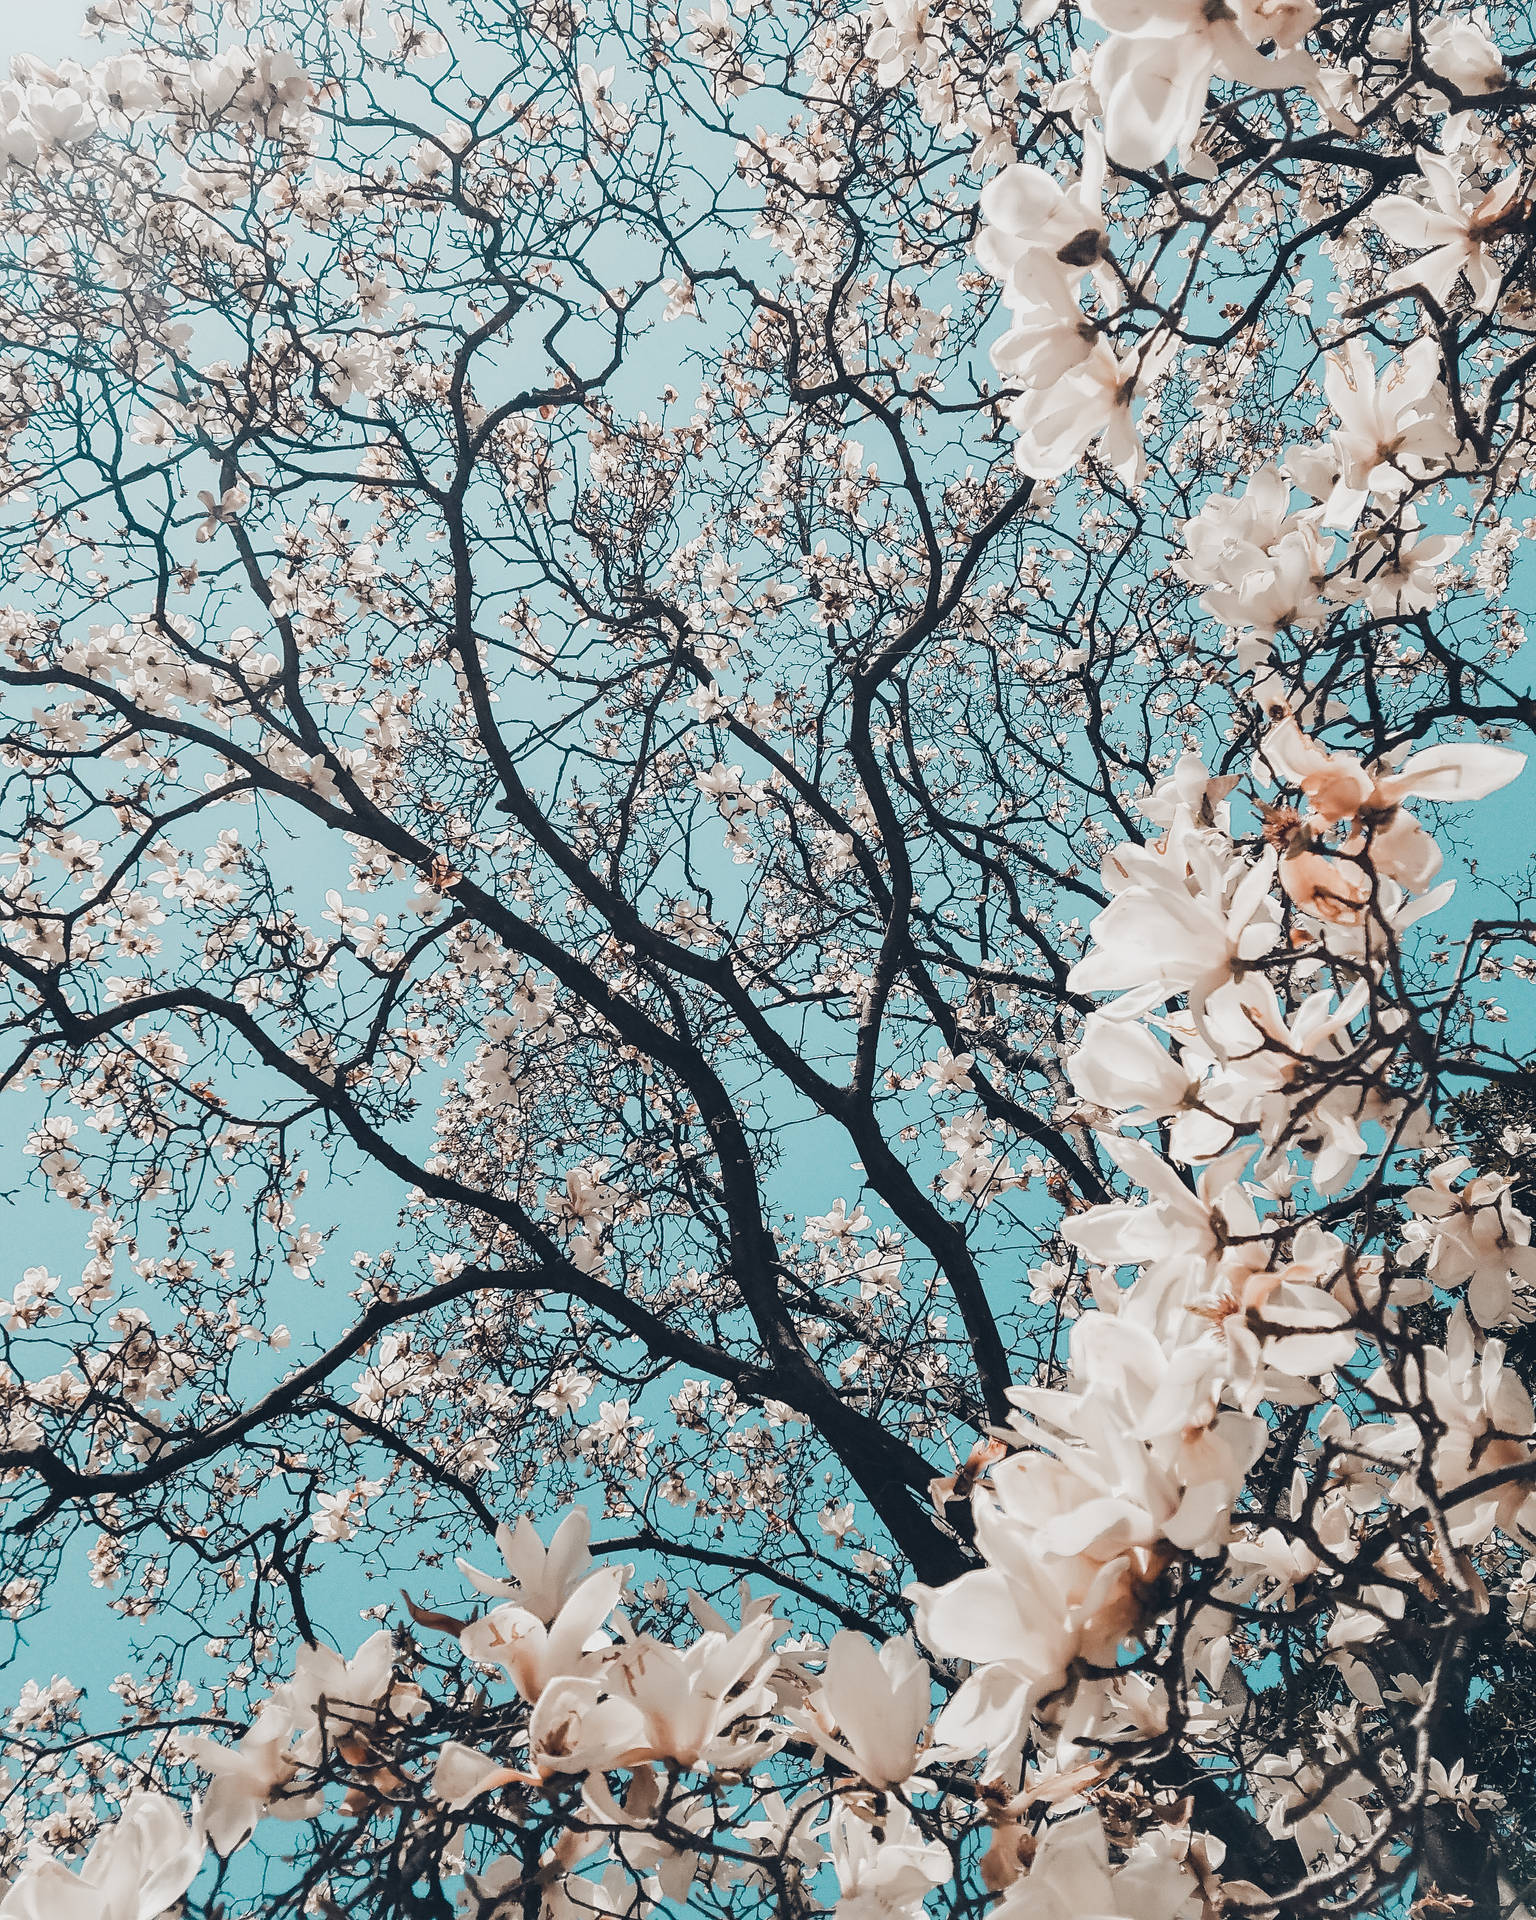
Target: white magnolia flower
[(1153, 72), (1394, 428), (1453, 231), (1134, 1460), (1177, 922), (884, 1867), (1324, 1817), (1071, 1877), (870, 1708), (1476, 1237), (141, 1865), (706, 1705), (1338, 787), (534, 1652), (1119, 1065), (1086, 404), (1263, 563), (578, 1727), (461, 1774), (1037, 233), (542, 1578), (1458, 47), (249, 1777), (1481, 1422)]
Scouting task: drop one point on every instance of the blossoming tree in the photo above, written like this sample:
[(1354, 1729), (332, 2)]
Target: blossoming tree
[(735, 747)]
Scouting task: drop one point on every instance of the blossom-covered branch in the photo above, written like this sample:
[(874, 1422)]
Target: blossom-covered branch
[(787, 706)]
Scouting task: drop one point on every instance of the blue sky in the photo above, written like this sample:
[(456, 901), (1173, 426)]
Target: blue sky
[(50, 28), (78, 1635)]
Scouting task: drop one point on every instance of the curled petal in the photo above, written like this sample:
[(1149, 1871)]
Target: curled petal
[(1454, 772), (1321, 886), (1153, 92)]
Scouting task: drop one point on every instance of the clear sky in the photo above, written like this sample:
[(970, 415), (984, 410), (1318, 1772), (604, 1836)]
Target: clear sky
[(50, 28)]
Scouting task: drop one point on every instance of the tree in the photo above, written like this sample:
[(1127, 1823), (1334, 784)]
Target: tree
[(620, 627)]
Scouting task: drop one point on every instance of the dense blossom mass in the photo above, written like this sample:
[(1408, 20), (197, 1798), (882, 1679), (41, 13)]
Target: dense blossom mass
[(763, 799)]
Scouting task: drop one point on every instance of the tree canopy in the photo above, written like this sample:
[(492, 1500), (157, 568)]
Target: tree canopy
[(734, 749)]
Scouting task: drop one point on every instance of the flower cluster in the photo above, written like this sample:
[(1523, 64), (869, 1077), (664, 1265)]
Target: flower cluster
[(1133, 1471), (778, 703)]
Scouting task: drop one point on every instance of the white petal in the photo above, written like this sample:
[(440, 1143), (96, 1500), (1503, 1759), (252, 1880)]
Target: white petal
[(1153, 92), (1451, 772)]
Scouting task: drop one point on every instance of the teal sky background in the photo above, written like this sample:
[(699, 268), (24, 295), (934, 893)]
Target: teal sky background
[(79, 1635), (48, 28)]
